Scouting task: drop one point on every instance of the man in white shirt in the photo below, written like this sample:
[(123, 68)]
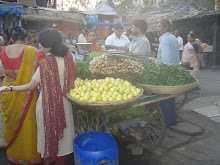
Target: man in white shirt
[(116, 40), (180, 40)]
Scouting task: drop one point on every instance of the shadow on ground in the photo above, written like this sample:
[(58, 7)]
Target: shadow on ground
[(125, 158)]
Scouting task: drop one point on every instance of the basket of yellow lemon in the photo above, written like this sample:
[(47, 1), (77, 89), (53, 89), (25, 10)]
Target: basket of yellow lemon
[(104, 95)]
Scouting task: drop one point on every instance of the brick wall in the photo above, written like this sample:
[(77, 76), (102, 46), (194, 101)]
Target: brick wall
[(101, 30), (67, 28)]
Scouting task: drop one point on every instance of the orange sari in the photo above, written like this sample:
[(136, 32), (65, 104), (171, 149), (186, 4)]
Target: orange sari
[(95, 47), (18, 111)]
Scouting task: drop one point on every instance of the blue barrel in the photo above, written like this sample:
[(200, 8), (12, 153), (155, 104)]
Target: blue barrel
[(95, 148)]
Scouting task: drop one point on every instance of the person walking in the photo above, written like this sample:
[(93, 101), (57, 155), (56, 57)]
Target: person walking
[(180, 41), (191, 54), (116, 40), (18, 108), (200, 54), (168, 53), (56, 74)]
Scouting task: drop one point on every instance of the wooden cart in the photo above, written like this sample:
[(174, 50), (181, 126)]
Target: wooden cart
[(155, 129)]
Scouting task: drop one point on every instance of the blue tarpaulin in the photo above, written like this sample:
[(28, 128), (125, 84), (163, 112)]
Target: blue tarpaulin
[(8, 9)]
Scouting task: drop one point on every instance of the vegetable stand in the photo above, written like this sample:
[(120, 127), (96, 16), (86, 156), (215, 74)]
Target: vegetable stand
[(98, 120), (140, 120)]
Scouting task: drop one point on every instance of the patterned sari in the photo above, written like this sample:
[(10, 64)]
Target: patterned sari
[(189, 55), (18, 111)]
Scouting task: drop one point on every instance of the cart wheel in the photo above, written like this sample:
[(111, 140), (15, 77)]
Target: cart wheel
[(180, 100), (86, 122), (155, 127)]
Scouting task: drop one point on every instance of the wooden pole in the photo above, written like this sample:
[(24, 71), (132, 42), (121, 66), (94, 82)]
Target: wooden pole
[(214, 45)]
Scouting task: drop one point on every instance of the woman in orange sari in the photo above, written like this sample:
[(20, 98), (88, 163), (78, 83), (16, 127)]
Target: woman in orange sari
[(92, 39), (18, 108)]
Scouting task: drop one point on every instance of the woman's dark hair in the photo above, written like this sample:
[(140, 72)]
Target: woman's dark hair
[(140, 23), (192, 35), (167, 24), (52, 38), (92, 30), (119, 26), (29, 37), (19, 34), (196, 47)]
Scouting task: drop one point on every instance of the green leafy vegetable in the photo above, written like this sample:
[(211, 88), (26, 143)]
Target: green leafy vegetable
[(129, 113)]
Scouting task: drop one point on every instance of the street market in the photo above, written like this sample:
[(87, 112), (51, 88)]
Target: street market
[(80, 84)]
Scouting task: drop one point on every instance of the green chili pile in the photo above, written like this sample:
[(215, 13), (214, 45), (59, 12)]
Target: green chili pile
[(83, 66), (165, 75)]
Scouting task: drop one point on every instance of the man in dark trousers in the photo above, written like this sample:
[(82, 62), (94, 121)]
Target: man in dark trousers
[(168, 52)]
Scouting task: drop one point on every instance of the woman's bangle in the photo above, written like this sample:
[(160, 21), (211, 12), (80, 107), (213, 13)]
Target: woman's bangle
[(11, 87)]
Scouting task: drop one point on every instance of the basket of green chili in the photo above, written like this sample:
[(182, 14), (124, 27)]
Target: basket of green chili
[(166, 79)]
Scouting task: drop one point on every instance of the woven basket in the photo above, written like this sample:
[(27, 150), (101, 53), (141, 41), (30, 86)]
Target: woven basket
[(107, 106), (131, 77), (168, 89)]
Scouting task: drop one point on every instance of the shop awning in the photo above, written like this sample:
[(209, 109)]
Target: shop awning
[(8, 9)]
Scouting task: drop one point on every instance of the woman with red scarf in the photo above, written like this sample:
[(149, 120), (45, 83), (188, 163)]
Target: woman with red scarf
[(92, 39), (56, 74)]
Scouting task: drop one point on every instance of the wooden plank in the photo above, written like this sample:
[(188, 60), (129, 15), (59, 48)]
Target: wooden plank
[(150, 101)]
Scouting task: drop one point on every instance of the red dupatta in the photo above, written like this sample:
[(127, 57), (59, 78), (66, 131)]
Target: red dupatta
[(52, 101)]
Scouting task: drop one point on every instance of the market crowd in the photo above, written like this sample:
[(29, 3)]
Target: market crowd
[(38, 122)]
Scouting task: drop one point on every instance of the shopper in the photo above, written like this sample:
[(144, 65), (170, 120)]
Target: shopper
[(56, 74), (168, 52), (18, 108)]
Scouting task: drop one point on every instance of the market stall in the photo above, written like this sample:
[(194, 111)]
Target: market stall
[(123, 105), (10, 17)]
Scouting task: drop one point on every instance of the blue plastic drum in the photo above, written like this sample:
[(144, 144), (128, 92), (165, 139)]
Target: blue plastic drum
[(95, 148)]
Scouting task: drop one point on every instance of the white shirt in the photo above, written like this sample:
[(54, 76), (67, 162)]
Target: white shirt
[(82, 39), (115, 41), (180, 40), (168, 51)]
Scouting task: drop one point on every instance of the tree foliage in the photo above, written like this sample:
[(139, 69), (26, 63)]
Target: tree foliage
[(76, 4), (138, 6)]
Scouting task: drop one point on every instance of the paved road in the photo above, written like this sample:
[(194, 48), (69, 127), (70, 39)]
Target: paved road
[(202, 149)]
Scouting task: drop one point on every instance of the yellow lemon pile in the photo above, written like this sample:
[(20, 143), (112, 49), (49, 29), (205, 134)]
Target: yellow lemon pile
[(108, 89)]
